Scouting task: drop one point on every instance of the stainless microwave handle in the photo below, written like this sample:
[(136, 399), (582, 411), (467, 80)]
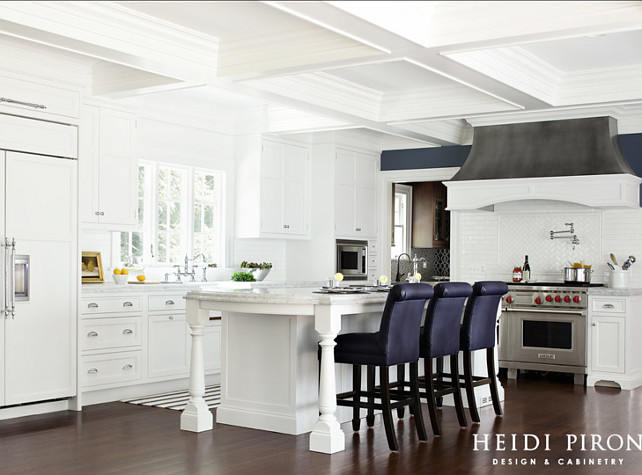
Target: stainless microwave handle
[(543, 310)]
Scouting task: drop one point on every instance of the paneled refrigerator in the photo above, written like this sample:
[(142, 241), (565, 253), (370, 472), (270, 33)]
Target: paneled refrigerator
[(39, 280)]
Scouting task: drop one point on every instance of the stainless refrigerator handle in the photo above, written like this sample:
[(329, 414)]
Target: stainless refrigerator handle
[(13, 278), (5, 244)]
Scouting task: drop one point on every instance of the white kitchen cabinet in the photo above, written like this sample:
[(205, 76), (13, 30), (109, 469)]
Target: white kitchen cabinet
[(276, 201), (108, 168), (355, 194), (38, 326), (167, 346), (38, 99), (614, 353)]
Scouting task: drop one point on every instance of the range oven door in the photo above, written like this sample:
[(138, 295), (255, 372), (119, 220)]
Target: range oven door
[(543, 337)]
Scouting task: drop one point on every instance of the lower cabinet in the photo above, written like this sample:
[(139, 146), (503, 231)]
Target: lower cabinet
[(136, 339), (614, 356)]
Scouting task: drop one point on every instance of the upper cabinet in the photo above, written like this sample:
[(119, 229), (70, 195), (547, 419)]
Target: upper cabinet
[(273, 192), (430, 220), (355, 194), (108, 168), (38, 99)]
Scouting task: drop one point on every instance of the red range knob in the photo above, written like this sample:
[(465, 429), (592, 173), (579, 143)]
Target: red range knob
[(558, 298), (567, 298), (509, 299), (576, 299), (538, 300), (549, 298)]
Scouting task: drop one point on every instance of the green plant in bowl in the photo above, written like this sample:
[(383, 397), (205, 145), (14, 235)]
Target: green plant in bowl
[(243, 277)]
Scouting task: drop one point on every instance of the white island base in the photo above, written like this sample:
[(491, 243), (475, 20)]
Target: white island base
[(270, 378)]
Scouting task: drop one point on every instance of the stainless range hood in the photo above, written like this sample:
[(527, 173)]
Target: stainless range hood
[(578, 161)]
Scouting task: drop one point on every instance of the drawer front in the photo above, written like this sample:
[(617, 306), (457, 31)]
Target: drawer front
[(102, 333), (167, 302), (93, 305), (608, 305), (112, 368)]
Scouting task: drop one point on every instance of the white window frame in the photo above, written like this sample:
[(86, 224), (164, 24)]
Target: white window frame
[(150, 225), (407, 191)]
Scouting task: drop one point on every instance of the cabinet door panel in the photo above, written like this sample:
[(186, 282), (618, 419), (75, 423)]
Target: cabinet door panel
[(608, 344), (344, 209), (365, 210), (168, 354)]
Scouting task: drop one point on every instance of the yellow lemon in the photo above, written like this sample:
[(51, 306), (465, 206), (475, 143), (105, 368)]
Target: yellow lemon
[(338, 276), (117, 271), (141, 277), (124, 271)]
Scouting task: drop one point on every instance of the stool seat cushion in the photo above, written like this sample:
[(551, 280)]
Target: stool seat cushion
[(359, 348)]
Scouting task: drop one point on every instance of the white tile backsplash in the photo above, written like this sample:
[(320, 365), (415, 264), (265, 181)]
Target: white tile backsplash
[(490, 244)]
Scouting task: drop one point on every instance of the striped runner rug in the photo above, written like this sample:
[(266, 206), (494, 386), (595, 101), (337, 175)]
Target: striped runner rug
[(177, 400)]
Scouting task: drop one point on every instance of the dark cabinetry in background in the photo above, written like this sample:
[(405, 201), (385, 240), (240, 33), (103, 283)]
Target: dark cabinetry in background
[(430, 220)]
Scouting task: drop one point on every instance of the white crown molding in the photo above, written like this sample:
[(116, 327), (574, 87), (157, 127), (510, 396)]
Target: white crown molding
[(450, 101), (603, 85), (455, 131), (327, 91), (517, 68), (113, 33)]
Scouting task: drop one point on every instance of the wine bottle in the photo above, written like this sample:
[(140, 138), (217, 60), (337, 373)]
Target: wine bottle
[(526, 269)]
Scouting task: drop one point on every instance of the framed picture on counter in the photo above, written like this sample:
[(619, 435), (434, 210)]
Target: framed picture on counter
[(91, 268)]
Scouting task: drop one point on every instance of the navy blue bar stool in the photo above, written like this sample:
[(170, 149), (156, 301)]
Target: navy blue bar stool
[(395, 343), (478, 332), (440, 338)]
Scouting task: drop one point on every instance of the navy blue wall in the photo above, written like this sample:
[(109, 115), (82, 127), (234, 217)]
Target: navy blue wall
[(455, 156)]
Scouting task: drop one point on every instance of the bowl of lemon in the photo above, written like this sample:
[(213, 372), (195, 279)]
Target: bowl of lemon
[(121, 276)]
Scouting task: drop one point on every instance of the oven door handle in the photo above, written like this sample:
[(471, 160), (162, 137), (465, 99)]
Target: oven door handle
[(538, 310)]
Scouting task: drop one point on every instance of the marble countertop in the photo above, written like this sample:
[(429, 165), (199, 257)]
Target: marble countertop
[(613, 292), (294, 294)]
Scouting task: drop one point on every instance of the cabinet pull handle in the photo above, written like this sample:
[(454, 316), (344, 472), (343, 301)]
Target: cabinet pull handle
[(593, 324), (127, 331), (92, 334), (22, 103), (92, 371), (608, 305), (92, 305), (128, 304), (169, 302), (128, 366)]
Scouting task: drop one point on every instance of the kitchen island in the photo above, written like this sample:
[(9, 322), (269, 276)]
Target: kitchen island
[(269, 367)]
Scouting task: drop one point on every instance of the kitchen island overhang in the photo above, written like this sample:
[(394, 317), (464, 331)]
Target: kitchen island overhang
[(269, 366)]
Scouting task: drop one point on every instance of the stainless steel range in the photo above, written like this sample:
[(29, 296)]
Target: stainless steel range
[(543, 327)]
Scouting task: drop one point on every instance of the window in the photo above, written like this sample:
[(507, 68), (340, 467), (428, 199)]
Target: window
[(402, 210), (180, 213)]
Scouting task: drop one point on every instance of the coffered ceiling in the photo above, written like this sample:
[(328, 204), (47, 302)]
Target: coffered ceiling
[(398, 74)]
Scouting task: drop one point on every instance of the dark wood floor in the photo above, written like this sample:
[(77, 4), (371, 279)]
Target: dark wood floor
[(125, 439)]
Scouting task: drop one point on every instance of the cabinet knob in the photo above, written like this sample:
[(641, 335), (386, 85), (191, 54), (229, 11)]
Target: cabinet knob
[(102, 213), (358, 229), (92, 334), (92, 305), (97, 213), (593, 324), (171, 317), (128, 366), (169, 302), (127, 331), (128, 304), (92, 371)]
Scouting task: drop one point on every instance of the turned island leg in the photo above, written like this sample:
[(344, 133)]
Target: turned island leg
[(197, 416)]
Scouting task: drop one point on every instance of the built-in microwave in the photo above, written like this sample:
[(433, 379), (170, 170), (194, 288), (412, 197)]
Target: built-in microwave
[(352, 259)]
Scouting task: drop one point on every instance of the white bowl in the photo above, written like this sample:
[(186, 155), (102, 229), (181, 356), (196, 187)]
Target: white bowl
[(120, 279)]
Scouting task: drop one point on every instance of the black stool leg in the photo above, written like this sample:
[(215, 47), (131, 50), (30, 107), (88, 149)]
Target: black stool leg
[(439, 372), (459, 405), (371, 399), (356, 388), (401, 381), (468, 381), (415, 403), (492, 374), (384, 380), (430, 396)]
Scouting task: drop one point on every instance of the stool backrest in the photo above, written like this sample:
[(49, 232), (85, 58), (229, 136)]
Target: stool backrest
[(440, 336), (480, 317), (401, 321)]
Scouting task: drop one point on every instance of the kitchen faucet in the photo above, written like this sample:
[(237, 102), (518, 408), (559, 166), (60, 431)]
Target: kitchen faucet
[(186, 271), (398, 278)]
